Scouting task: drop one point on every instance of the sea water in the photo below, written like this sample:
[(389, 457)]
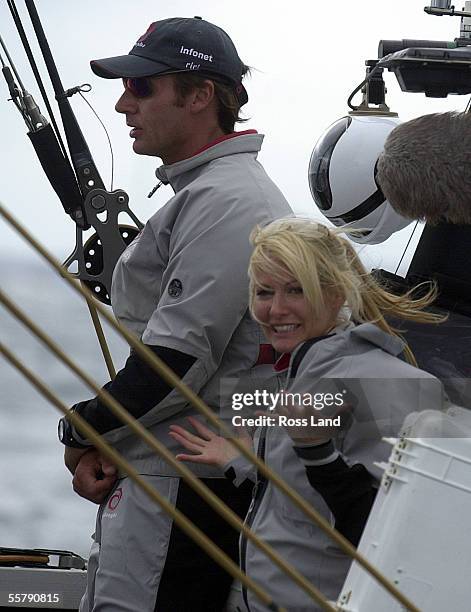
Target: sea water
[(38, 507)]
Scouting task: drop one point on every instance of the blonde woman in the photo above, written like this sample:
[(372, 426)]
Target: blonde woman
[(325, 315)]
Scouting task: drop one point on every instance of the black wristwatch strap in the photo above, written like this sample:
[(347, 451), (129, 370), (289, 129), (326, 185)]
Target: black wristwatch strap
[(65, 432)]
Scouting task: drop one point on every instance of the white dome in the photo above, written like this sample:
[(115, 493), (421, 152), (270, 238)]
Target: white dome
[(342, 173)]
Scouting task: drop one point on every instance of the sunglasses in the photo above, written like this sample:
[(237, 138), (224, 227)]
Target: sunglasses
[(140, 87)]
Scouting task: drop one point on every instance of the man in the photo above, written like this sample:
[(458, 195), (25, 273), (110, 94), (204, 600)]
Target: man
[(424, 169), (182, 287)]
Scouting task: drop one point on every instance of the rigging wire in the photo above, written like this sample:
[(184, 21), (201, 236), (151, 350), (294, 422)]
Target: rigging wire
[(180, 519), (23, 109), (15, 91), (80, 91), (34, 68), (406, 247), (10, 61), (174, 381), (85, 170), (161, 450), (86, 88), (15, 94), (101, 337)]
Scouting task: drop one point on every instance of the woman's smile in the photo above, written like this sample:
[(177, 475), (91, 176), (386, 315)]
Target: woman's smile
[(286, 315)]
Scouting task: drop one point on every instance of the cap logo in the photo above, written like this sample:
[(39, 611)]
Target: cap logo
[(175, 288), (140, 41), (195, 53)]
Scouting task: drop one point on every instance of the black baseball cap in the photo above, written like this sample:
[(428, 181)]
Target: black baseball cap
[(179, 44)]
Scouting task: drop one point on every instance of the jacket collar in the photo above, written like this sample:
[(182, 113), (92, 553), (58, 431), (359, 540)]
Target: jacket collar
[(366, 332), (239, 142), (374, 335), (287, 359)]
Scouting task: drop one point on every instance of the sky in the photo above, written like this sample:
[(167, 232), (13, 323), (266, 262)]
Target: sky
[(306, 56)]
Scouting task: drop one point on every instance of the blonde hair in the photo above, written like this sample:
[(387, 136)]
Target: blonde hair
[(325, 263)]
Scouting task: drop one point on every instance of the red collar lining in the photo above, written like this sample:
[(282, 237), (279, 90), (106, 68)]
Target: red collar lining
[(282, 362), (222, 139)]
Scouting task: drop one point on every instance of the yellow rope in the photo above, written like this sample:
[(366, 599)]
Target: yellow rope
[(180, 519), (140, 431), (101, 338), (166, 373)]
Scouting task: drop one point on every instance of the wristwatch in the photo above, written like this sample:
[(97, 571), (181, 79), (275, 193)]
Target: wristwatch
[(65, 431)]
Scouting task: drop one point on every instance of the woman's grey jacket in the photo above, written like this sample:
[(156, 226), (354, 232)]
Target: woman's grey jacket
[(380, 389)]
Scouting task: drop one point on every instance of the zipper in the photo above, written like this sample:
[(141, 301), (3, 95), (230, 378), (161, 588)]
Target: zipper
[(258, 492), (261, 482), (154, 189)]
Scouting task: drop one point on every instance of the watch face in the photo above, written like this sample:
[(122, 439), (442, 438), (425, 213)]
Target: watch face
[(61, 429), (66, 434)]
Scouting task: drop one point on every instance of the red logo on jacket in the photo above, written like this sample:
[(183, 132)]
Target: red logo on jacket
[(115, 499)]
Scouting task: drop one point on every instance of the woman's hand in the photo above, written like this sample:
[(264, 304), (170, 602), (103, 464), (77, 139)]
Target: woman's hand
[(208, 447)]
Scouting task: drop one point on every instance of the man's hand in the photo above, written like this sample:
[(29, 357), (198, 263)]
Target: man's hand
[(72, 457), (94, 476)]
